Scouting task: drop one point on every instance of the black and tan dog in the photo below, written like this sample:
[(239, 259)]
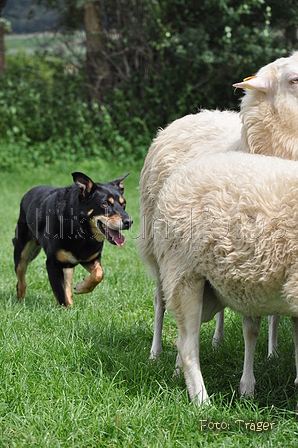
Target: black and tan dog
[(70, 224)]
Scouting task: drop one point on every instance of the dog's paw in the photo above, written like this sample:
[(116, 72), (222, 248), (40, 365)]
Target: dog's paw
[(21, 290), (83, 288), (79, 288)]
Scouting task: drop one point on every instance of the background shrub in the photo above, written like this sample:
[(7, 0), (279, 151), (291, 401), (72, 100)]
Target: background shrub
[(46, 116)]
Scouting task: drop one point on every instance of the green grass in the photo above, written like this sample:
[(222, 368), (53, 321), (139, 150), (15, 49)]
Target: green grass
[(81, 377)]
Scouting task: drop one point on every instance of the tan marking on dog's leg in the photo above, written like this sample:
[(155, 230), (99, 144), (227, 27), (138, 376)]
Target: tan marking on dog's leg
[(30, 251), (68, 275), (89, 283), (22, 284)]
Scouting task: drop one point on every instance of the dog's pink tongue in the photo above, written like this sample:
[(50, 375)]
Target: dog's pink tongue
[(117, 237)]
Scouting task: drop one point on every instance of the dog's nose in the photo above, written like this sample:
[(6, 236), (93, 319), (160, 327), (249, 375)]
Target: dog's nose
[(127, 223)]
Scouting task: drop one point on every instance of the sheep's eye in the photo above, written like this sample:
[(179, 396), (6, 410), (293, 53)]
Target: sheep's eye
[(294, 81)]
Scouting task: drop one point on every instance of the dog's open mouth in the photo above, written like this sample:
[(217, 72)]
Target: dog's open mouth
[(113, 236)]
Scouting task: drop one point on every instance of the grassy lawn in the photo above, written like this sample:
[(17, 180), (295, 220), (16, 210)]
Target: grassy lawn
[(81, 377)]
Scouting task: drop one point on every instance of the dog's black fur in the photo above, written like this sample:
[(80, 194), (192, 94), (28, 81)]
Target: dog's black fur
[(70, 224)]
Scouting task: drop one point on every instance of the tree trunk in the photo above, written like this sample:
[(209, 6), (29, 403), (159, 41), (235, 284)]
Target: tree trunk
[(97, 65), (2, 49)]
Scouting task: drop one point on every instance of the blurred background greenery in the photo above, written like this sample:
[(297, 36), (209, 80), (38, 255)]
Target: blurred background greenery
[(98, 78)]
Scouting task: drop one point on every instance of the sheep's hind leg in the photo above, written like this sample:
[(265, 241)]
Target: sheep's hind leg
[(251, 328), (272, 340), (159, 308), (219, 328), (188, 305), (295, 337)]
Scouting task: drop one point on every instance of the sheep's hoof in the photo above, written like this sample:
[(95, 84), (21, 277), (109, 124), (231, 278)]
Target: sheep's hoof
[(216, 342), (247, 392), (178, 372), (154, 355)]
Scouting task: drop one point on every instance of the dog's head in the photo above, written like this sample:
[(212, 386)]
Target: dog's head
[(103, 207)]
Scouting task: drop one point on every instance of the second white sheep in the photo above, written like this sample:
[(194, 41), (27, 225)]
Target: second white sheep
[(228, 224), (269, 115)]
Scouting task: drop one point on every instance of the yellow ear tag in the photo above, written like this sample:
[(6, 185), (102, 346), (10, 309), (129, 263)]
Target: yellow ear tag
[(247, 79)]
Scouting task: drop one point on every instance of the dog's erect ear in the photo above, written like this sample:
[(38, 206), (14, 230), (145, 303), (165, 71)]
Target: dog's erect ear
[(83, 182), (119, 182)]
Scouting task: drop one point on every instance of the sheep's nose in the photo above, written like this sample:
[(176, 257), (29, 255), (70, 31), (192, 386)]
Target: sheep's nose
[(127, 223)]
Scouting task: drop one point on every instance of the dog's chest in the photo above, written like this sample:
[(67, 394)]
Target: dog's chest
[(67, 257)]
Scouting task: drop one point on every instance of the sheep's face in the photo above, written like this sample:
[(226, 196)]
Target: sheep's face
[(280, 75), (279, 82), (289, 81), (269, 110), (286, 96)]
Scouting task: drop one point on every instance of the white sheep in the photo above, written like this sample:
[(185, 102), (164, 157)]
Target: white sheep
[(228, 222), (269, 115), (183, 140)]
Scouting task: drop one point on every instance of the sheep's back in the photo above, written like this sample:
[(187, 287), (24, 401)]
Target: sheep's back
[(184, 140)]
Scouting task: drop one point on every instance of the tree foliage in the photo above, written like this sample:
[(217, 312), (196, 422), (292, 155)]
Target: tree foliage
[(45, 117), (170, 57), (2, 5), (162, 59)]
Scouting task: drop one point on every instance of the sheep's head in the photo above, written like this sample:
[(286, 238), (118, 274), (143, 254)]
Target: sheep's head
[(269, 109), (281, 74)]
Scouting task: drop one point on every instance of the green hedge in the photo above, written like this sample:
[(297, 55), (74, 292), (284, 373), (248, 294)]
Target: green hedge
[(45, 116)]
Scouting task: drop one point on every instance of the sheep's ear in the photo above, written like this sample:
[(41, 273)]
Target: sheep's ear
[(254, 82)]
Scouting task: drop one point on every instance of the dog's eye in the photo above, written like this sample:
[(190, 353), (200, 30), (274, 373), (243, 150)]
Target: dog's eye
[(105, 204)]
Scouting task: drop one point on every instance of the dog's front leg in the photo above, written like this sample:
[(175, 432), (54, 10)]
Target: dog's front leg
[(92, 280), (60, 279), (68, 275)]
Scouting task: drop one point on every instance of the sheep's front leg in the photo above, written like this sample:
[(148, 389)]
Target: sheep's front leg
[(188, 305), (295, 337), (272, 341), (178, 366), (159, 308), (219, 329), (251, 328)]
